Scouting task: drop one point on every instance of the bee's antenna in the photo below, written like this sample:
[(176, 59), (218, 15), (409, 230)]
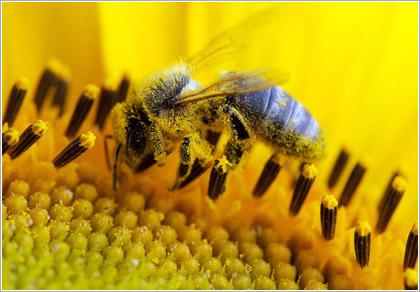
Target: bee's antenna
[(114, 177)]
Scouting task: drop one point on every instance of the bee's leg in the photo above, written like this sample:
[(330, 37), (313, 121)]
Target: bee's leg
[(115, 174), (195, 159), (106, 149), (158, 145), (238, 143)]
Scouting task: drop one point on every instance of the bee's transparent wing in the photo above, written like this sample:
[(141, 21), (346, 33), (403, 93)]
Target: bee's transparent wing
[(230, 83), (234, 48)]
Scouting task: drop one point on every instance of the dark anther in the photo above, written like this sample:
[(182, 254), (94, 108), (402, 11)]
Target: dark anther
[(16, 96), (46, 83), (106, 101), (28, 138), (81, 110), (268, 175), (393, 198), (362, 243), (338, 168), (196, 170), (411, 248), (218, 177), (352, 183), (122, 90), (60, 95), (387, 190), (303, 185), (9, 138), (329, 206), (76, 147)]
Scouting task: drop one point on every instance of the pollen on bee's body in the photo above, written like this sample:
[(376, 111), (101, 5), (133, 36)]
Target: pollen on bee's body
[(392, 199), (76, 147), (362, 243), (329, 206), (338, 168), (82, 109), (302, 188), (352, 183), (268, 175), (10, 137), (411, 248), (28, 138), (16, 96)]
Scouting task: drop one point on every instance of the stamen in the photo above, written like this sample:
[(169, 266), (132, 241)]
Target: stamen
[(76, 147), (329, 206), (122, 90), (303, 185), (387, 190), (60, 95), (46, 83), (28, 138), (411, 249), (218, 177), (16, 96), (338, 168), (106, 101), (268, 175), (10, 137), (392, 200), (362, 243), (196, 170), (82, 109), (411, 279), (352, 183)]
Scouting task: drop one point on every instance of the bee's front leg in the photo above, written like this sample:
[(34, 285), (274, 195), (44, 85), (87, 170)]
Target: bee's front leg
[(158, 145), (195, 159)]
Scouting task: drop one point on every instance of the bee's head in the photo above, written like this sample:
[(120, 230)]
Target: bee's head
[(131, 124)]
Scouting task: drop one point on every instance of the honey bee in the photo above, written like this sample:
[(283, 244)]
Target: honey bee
[(172, 108)]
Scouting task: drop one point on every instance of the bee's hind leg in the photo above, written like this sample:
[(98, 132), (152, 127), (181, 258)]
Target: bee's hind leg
[(195, 159), (238, 143)]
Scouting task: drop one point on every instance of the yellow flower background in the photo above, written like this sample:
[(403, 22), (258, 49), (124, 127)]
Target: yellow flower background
[(353, 65)]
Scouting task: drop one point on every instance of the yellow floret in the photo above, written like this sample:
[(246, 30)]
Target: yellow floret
[(18, 187), (40, 200), (126, 218), (86, 191)]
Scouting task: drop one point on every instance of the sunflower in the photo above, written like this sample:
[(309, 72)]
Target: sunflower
[(345, 222)]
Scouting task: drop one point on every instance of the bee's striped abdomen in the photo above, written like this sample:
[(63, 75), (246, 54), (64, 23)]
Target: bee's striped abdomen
[(282, 121)]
